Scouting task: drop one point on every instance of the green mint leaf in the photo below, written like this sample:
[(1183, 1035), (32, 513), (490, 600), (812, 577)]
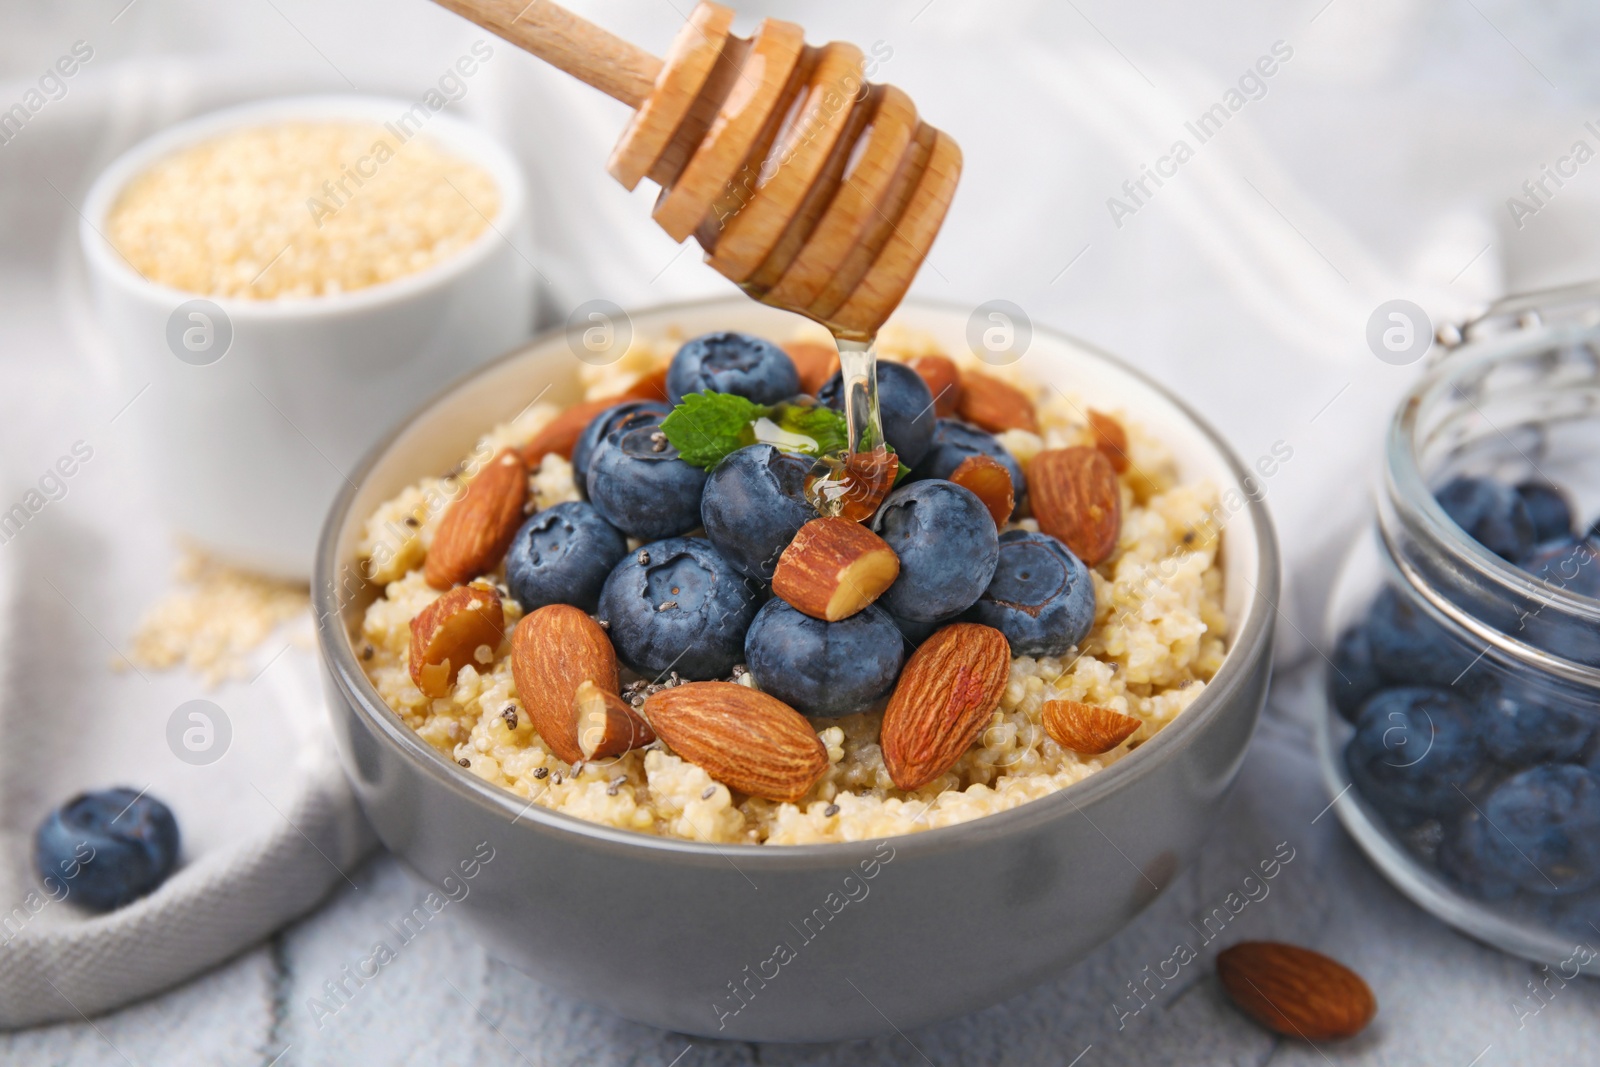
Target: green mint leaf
[(705, 427), (823, 425), (900, 475)]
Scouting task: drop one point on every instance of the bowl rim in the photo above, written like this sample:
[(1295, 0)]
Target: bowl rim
[(1251, 643), (456, 135)]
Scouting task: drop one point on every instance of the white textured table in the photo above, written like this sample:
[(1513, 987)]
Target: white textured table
[(1443, 1000), (1376, 166)]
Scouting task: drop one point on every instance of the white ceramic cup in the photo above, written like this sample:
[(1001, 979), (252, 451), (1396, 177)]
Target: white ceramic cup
[(252, 411)]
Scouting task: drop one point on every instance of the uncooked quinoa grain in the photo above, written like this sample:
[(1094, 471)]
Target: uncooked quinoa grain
[(299, 209), (1159, 636)]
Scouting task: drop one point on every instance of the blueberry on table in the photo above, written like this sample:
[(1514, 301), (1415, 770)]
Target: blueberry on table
[(630, 413), (1545, 828), (1519, 729), (678, 605), (905, 405), (108, 847), (1414, 752), (1492, 514), (754, 504), (954, 441), (1549, 509), (1410, 648), (947, 545), (1353, 676), (1041, 596), (732, 362), (824, 668), (563, 555), (639, 485)]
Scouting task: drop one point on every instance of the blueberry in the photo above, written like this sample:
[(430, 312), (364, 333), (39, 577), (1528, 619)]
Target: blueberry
[(754, 504), (1041, 596), (947, 545), (639, 485), (1353, 677), (1549, 510), (905, 405), (1491, 514), (631, 413), (678, 605), (954, 441), (1570, 566), (1472, 856), (1414, 752), (1409, 648), (562, 555), (1519, 730), (729, 362), (108, 847), (824, 668), (1544, 828)]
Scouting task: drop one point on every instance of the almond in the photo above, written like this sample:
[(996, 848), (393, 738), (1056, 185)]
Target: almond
[(991, 481), (1087, 728), (855, 490), (1110, 438), (944, 381), (740, 736), (446, 635), (815, 362), (649, 386), (553, 652), (1076, 498), (945, 697), (607, 725), (1295, 991), (560, 435), (834, 568), (995, 405), (474, 534)]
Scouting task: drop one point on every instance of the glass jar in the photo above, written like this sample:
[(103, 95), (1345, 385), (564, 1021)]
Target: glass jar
[(1461, 741)]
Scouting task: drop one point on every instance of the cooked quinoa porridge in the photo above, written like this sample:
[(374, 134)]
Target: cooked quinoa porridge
[(1157, 637)]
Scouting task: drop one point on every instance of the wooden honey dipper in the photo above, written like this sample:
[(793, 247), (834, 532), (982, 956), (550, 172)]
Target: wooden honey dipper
[(813, 190)]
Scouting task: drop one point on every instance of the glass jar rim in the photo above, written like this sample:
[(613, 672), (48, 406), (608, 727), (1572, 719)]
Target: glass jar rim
[(1410, 500)]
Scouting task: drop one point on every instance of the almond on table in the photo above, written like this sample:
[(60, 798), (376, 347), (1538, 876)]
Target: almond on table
[(834, 568), (1296, 992), (474, 534)]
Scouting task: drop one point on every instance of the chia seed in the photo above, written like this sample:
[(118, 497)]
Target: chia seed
[(366, 652), (411, 521), (615, 784), (464, 762), (831, 810), (541, 772), (709, 792), (644, 558), (510, 716)]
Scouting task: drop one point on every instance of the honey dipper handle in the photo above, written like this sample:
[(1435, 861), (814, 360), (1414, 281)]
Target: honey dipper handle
[(592, 55)]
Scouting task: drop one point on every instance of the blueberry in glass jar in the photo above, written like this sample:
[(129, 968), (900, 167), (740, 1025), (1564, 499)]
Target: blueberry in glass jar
[(754, 503), (1492, 514), (1546, 828), (1353, 676), (905, 404), (108, 847), (562, 555), (1518, 728), (639, 485), (824, 668), (1472, 856), (1415, 752), (630, 413), (678, 605), (947, 545), (1409, 648), (1549, 509), (1041, 597), (732, 362)]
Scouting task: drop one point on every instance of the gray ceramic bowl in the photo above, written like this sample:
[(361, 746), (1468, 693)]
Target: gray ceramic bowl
[(796, 943)]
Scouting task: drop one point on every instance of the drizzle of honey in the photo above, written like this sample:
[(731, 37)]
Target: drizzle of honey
[(851, 484)]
